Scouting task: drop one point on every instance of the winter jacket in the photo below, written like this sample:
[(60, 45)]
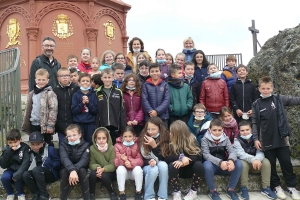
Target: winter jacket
[(195, 87), (202, 127), (134, 110), (243, 148), (128, 70), (212, 151), (129, 60), (111, 109), (214, 94), (154, 151), (42, 61), (200, 74), (132, 153), (102, 159), (188, 54), (117, 83), (104, 66), (17, 161), (64, 112), (229, 76), (164, 69), (48, 111), (156, 97), (74, 157), (143, 79), (84, 68)]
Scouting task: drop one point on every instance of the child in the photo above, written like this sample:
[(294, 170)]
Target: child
[(41, 109), (84, 107), (74, 75), (253, 161), (201, 64), (96, 82), (15, 159), (101, 163), (188, 49), (190, 79), (230, 127), (169, 60), (72, 61), (74, 156), (154, 145), (131, 89), (85, 66), (128, 162), (214, 93), (44, 167), (270, 131), (160, 56), (184, 160), (143, 71), (229, 72), (64, 92), (242, 94), (181, 98), (220, 159), (180, 60), (107, 61), (95, 66), (118, 74), (139, 58), (111, 112), (156, 96), (120, 58), (199, 121)]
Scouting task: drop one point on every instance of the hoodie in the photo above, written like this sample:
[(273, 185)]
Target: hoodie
[(201, 130)]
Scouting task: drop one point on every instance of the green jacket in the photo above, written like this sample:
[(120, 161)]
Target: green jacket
[(181, 100), (104, 160)]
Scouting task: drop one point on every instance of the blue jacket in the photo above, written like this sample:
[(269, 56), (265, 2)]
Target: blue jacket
[(156, 97), (229, 76), (200, 74), (117, 83), (188, 54), (203, 126), (84, 113)]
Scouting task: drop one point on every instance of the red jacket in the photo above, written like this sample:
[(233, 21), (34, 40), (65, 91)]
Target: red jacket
[(214, 94), (132, 153), (84, 67), (134, 110)]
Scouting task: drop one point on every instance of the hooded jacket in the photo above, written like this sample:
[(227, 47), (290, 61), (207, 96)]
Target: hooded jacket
[(102, 159), (203, 126), (134, 110), (84, 68), (229, 76), (195, 87)]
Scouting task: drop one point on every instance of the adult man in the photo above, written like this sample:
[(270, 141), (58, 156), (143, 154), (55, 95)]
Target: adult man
[(46, 61)]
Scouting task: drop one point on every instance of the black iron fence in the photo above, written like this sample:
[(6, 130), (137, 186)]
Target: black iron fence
[(220, 59)]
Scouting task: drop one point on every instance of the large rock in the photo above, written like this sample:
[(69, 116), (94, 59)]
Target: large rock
[(279, 58)]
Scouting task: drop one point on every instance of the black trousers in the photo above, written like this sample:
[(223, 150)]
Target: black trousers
[(37, 178), (283, 155), (47, 137), (83, 181), (183, 118), (114, 133), (106, 179)]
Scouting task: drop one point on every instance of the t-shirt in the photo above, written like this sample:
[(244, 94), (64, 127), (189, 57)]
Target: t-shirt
[(106, 91)]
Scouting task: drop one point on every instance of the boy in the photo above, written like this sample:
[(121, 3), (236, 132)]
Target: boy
[(199, 121), (242, 94), (84, 107), (181, 98), (220, 159), (15, 159), (72, 61), (119, 71), (156, 96), (41, 109), (44, 167), (229, 72), (143, 71), (189, 70), (96, 81), (111, 110), (64, 92), (252, 160), (74, 75), (214, 93), (270, 133)]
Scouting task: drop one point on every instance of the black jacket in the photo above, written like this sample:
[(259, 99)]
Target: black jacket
[(195, 88), (17, 161), (64, 98), (74, 157), (247, 146)]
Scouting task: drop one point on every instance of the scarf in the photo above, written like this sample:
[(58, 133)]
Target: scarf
[(230, 124), (102, 149), (175, 82), (39, 90), (149, 156)]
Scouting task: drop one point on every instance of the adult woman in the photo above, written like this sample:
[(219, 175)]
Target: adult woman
[(188, 49), (201, 63)]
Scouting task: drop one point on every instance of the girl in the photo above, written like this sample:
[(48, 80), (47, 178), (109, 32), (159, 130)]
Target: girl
[(169, 60), (107, 61), (74, 156), (188, 49), (131, 89), (180, 60), (154, 145), (201, 63), (120, 58), (85, 66), (101, 164), (160, 56), (128, 162), (230, 126), (184, 160), (95, 66)]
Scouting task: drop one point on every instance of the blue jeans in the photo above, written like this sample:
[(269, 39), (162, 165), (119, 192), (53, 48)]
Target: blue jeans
[(7, 182), (151, 173), (211, 169), (61, 136)]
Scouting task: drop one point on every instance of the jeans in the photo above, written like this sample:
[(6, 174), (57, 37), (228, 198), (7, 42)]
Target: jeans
[(211, 169), (7, 182), (61, 136), (151, 173)]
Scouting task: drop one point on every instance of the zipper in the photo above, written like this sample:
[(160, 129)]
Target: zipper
[(243, 96), (131, 107), (108, 120)]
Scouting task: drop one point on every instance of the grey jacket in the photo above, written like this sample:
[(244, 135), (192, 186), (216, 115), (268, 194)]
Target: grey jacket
[(242, 155)]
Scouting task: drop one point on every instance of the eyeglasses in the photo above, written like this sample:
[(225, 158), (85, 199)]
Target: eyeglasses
[(130, 80), (120, 58), (64, 76), (199, 112), (49, 46)]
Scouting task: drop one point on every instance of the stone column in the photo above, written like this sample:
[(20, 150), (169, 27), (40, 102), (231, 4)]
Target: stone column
[(125, 40), (32, 33), (92, 34)]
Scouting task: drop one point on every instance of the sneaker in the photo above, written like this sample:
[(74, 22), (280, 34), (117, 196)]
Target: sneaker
[(244, 193), (294, 193), (214, 195), (10, 197), (113, 196), (138, 196), (44, 198), (279, 192), (22, 197), (177, 195), (154, 198), (159, 198), (122, 196), (232, 195), (269, 193), (192, 195)]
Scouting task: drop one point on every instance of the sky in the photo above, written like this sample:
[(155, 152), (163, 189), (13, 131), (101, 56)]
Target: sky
[(216, 26)]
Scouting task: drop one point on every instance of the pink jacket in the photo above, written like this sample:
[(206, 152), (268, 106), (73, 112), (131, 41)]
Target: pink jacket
[(132, 153), (134, 110)]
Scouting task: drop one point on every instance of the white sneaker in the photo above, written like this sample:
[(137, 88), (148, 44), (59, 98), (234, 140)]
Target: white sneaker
[(10, 197), (22, 197), (152, 199), (280, 192), (294, 193), (192, 195), (177, 195), (159, 198)]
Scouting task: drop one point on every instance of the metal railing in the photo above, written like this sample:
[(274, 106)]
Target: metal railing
[(220, 59), (10, 92)]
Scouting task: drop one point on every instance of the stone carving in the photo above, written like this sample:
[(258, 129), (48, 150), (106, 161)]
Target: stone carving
[(32, 12), (32, 33), (62, 26), (15, 9), (109, 31), (92, 33), (91, 14), (13, 32)]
